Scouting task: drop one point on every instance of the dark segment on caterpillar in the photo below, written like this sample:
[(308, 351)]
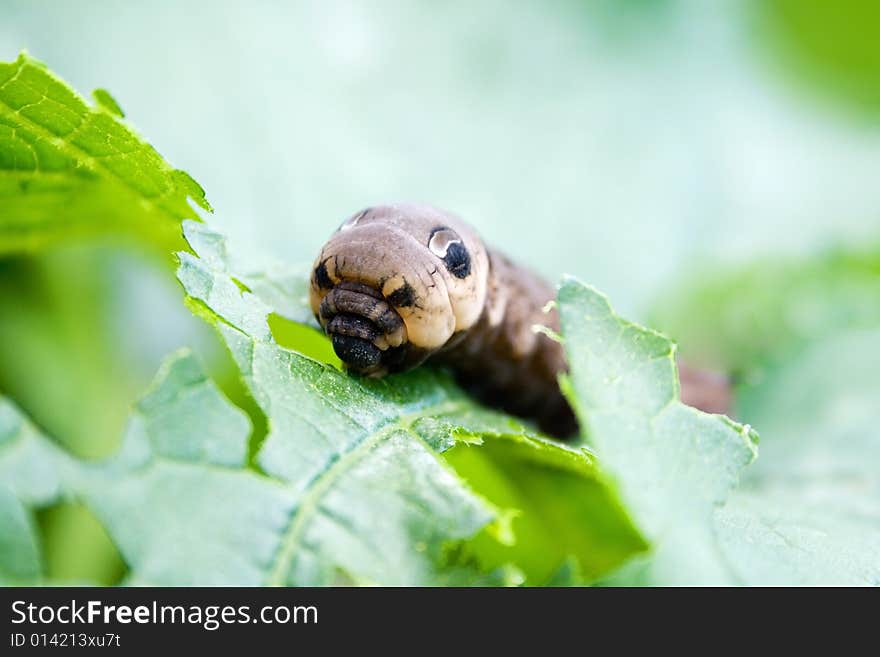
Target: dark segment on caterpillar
[(400, 284), (356, 352)]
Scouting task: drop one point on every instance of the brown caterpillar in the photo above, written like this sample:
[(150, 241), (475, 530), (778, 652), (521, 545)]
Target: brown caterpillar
[(399, 284)]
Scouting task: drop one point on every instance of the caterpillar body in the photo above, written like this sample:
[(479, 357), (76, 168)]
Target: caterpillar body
[(397, 285)]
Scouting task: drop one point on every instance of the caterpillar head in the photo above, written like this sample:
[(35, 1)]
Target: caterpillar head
[(395, 283)]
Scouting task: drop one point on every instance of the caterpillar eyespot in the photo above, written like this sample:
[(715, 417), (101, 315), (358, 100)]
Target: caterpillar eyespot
[(397, 285), (446, 245)]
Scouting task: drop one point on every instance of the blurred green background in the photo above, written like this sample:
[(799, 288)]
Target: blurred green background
[(654, 135), (638, 144)]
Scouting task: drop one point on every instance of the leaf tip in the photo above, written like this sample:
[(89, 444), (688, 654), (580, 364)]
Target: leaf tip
[(193, 189), (107, 102)]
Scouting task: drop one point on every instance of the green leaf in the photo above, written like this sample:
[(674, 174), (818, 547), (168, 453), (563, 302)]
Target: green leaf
[(19, 553), (568, 525), (673, 464), (68, 168), (29, 478), (151, 498), (806, 335), (808, 513), (108, 102), (183, 510)]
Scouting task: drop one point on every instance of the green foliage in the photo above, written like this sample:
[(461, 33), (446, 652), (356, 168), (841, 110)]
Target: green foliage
[(295, 473), (346, 486), (744, 320), (673, 464), (836, 46), (67, 168), (805, 336), (564, 515), (76, 179), (68, 171), (808, 512)]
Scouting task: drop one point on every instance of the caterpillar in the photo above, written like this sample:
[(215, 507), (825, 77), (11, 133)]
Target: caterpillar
[(397, 285)]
